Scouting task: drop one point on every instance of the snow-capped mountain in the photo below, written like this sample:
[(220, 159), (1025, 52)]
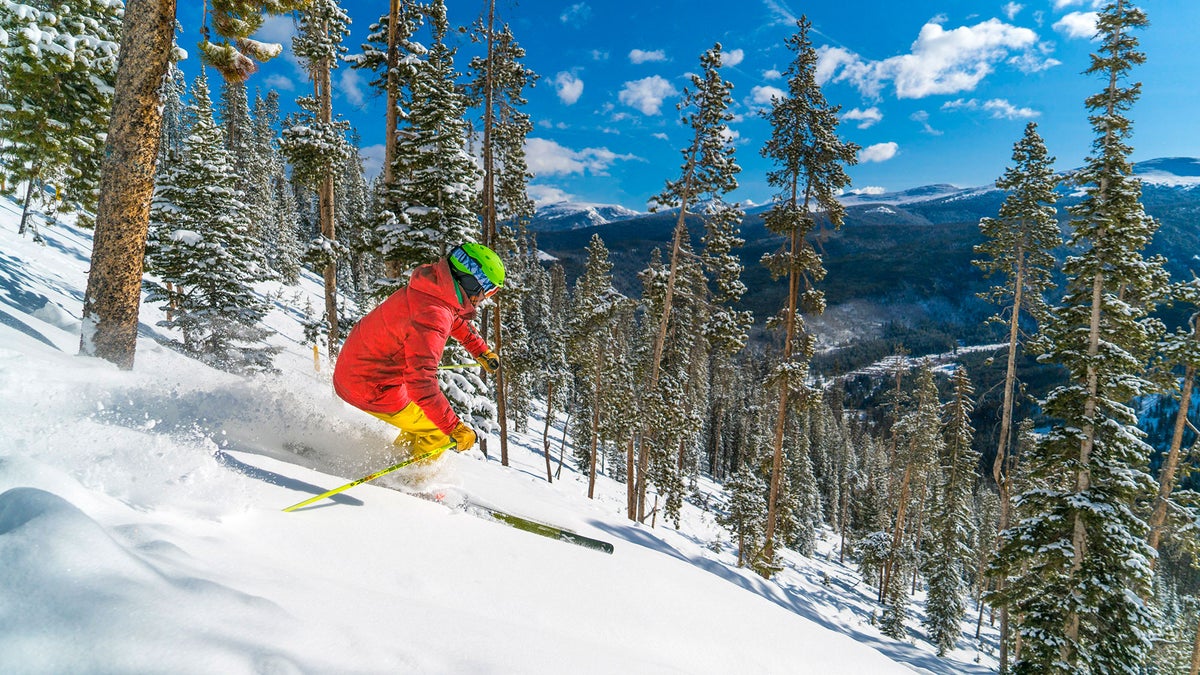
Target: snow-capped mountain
[(1181, 172), (561, 216)]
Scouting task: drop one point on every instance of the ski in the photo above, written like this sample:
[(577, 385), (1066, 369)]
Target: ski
[(474, 507)]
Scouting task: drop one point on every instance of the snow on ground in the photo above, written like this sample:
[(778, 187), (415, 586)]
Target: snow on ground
[(141, 531)]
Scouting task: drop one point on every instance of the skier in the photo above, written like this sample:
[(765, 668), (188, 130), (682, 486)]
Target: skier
[(388, 365)]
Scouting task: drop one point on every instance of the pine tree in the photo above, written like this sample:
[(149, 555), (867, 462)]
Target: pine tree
[(809, 158), (498, 85), (436, 174), (595, 304), (113, 295), (1086, 561), (59, 67), (314, 142), (1020, 244), (201, 249), (708, 174), (745, 515), (919, 446), (950, 556)]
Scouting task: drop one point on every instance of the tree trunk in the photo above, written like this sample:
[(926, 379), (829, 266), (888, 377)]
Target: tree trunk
[(546, 429), (501, 388), (898, 532), (768, 551), (1166, 479), (998, 473), (596, 421), (323, 82), (24, 226), (392, 267), (630, 483), (110, 305)]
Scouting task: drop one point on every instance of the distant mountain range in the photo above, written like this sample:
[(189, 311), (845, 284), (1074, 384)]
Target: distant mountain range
[(900, 263)]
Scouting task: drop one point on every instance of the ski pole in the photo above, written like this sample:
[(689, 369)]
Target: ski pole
[(459, 365), (364, 479)]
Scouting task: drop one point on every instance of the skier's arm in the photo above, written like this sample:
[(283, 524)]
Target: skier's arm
[(468, 337), (424, 352)]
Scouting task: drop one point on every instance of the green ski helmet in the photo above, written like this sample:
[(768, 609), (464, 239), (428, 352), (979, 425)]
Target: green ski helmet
[(477, 268)]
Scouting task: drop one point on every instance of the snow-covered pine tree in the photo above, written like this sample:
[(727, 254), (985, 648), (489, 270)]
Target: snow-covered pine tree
[(201, 251), (233, 112), (175, 126), (234, 21), (59, 66), (314, 142), (594, 305), (1019, 245), (809, 158), (746, 511), (391, 51), (436, 175), (354, 226), (498, 83), (919, 447), (547, 347), (952, 523), (1084, 546)]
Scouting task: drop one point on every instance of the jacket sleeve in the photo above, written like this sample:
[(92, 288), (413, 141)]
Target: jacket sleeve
[(423, 352), (468, 337)]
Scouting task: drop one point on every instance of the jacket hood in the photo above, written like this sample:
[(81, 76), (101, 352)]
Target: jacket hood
[(435, 279)]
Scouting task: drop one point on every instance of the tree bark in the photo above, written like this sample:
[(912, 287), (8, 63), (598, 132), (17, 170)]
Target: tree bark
[(546, 429), (326, 211), (1166, 479), (113, 296), (599, 375), (392, 267), (1196, 654), (630, 483)]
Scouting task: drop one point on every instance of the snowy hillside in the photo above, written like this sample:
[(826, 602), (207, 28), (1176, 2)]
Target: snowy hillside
[(576, 215), (141, 531)]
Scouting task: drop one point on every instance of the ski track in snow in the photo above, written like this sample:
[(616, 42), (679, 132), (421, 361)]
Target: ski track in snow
[(141, 531)]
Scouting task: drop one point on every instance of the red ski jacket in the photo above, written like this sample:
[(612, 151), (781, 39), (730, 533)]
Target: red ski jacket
[(390, 359)]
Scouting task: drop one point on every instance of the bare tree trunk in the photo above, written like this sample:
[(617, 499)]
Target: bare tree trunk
[(110, 305), (327, 213), (1166, 479), (546, 429), (998, 473), (898, 532), (24, 226), (768, 551), (630, 483), (392, 267), (599, 389)]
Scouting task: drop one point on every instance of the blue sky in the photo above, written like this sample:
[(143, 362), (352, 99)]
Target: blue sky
[(934, 91)]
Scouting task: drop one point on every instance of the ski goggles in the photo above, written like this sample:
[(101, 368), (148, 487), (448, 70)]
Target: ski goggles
[(478, 282)]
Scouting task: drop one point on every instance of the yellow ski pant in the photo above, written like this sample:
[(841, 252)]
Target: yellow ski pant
[(417, 432)]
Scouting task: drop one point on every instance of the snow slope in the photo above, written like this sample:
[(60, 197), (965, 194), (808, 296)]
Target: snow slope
[(141, 531)]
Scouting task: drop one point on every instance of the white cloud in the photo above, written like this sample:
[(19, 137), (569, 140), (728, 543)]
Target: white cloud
[(865, 118), (922, 117), (880, 152), (1031, 62), (280, 82), (646, 94), (661, 136), (278, 28), (568, 87), (1078, 25), (350, 84), (732, 57), (772, 74), (599, 55), (782, 13), (548, 194), (577, 14), (868, 190), (549, 158), (372, 157), (642, 56), (998, 107), (1012, 9), (764, 94), (941, 61), (1059, 4)]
